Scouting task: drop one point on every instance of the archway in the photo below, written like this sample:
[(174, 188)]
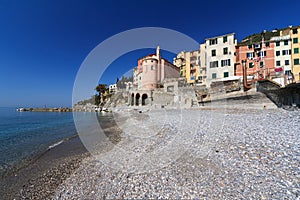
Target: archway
[(144, 97), (132, 99), (137, 99)]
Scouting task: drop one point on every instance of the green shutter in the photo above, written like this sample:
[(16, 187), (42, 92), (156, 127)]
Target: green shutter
[(251, 65), (261, 64), (226, 74)]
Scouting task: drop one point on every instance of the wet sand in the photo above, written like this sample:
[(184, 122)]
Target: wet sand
[(40, 178)]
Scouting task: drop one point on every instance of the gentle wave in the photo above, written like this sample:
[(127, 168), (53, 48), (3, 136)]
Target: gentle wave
[(55, 144)]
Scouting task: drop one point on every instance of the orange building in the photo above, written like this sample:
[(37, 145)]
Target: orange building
[(257, 56)]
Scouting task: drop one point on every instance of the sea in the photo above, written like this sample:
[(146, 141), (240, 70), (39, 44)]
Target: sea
[(26, 135)]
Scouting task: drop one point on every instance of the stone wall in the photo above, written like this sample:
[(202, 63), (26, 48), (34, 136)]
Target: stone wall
[(282, 97)]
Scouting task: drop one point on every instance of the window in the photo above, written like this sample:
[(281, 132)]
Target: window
[(213, 41), (286, 42), (251, 65), (286, 62), (225, 51), (296, 50), (226, 74), (262, 54), (213, 52), (296, 61), (152, 67), (257, 46), (277, 44), (250, 46), (213, 64), (225, 62), (286, 52), (267, 44), (261, 64), (277, 53), (224, 39), (250, 55), (295, 31), (214, 75), (295, 40), (278, 63)]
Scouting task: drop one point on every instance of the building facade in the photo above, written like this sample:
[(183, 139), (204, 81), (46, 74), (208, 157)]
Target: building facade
[(282, 60), (256, 53), (202, 67), (220, 57), (295, 37), (150, 73), (192, 65), (179, 61), (113, 88)]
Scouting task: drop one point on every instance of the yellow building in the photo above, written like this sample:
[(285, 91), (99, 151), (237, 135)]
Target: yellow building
[(179, 61), (295, 37), (189, 63)]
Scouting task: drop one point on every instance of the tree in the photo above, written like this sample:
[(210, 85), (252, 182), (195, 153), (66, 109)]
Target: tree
[(101, 89)]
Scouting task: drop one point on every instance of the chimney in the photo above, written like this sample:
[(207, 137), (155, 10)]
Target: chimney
[(158, 52)]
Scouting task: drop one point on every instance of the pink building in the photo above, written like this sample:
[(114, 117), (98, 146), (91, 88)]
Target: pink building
[(150, 73), (152, 70), (257, 57)]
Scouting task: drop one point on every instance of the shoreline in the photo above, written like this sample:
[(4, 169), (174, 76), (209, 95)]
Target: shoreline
[(40, 178)]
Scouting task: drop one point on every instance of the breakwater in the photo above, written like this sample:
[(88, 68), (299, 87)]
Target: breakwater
[(44, 109)]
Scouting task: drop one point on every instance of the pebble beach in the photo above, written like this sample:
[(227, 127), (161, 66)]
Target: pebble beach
[(194, 154)]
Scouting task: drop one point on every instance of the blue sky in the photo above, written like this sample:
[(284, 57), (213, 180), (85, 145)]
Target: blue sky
[(43, 43)]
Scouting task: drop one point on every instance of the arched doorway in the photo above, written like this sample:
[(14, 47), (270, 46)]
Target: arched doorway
[(132, 99), (144, 97), (137, 99)]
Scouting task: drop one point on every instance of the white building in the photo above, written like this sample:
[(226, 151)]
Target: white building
[(220, 57), (112, 88), (283, 58), (202, 68)]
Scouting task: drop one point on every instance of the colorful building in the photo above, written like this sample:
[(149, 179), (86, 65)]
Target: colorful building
[(202, 68), (282, 60), (179, 62), (192, 65), (189, 64), (256, 53), (295, 40), (220, 58), (150, 73)]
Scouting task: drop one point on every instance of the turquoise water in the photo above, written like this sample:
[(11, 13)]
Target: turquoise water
[(24, 135)]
